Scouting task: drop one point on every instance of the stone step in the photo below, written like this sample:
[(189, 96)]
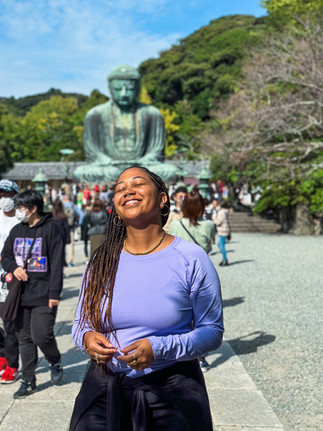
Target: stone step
[(242, 222)]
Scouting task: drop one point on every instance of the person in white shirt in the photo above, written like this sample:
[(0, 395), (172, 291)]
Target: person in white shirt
[(9, 352)]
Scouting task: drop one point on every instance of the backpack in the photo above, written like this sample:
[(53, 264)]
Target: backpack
[(70, 213)]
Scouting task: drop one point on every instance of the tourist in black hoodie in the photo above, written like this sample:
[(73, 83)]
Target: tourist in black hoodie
[(43, 282)]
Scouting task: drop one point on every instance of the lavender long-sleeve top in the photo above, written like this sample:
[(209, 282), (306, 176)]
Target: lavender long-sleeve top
[(172, 297)]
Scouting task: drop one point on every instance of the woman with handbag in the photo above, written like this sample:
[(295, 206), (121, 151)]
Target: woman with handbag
[(223, 229), (192, 227), (38, 236), (150, 304)]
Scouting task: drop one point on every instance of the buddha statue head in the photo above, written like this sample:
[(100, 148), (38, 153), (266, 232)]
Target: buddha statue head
[(124, 86)]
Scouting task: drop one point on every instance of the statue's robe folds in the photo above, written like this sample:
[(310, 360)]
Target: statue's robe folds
[(111, 147)]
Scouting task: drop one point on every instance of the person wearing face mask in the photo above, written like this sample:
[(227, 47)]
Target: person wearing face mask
[(43, 282), (9, 352)]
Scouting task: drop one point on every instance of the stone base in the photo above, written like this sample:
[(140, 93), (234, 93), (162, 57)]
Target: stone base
[(91, 173)]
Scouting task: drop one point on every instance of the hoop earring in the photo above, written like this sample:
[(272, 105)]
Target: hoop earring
[(119, 221), (164, 215)]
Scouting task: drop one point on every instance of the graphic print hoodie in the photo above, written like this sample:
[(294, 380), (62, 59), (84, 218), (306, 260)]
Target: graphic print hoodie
[(45, 269)]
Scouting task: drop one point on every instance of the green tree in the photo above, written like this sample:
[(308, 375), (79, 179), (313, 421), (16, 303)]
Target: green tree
[(7, 135), (273, 126), (204, 67), (293, 7), (46, 129)]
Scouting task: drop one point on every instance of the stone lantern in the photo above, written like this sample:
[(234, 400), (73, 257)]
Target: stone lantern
[(40, 179), (65, 152)]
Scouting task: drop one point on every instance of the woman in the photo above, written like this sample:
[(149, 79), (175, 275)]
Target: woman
[(60, 218), (194, 229), (223, 229), (95, 225), (84, 228), (140, 293)]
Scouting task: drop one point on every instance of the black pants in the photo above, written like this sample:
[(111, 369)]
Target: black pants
[(172, 399), (35, 327), (9, 344), (164, 416)]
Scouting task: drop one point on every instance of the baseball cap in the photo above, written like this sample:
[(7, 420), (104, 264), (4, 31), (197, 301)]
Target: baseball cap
[(9, 186)]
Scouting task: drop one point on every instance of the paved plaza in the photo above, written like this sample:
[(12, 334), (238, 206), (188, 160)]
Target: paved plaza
[(271, 304)]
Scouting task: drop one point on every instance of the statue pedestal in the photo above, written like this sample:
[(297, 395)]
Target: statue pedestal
[(109, 173)]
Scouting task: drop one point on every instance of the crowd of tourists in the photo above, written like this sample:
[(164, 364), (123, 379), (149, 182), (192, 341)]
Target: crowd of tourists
[(37, 237)]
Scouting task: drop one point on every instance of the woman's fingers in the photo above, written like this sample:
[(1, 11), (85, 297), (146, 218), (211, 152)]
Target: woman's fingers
[(138, 355), (98, 347)]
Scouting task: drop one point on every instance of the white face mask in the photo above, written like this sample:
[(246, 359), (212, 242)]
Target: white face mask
[(21, 215), (6, 204)]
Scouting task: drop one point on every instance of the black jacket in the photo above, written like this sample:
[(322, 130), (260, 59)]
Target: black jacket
[(45, 270), (95, 223), (64, 229)]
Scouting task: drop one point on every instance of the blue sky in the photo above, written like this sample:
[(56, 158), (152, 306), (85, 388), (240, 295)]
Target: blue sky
[(73, 44)]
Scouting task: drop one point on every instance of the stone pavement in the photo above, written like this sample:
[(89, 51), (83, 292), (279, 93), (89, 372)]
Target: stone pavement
[(235, 402)]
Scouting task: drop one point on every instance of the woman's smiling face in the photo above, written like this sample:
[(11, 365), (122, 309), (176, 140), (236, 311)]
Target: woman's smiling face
[(136, 196)]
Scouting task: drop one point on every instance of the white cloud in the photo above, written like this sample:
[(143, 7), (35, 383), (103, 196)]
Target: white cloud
[(72, 45)]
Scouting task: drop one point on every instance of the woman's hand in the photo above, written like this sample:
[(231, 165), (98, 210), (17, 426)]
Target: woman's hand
[(98, 347), (141, 356)]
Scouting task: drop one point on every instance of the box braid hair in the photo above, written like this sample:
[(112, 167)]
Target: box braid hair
[(100, 274)]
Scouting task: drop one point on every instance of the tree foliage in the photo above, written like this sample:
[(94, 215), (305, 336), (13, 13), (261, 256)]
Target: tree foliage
[(204, 67), (292, 8), (274, 125), (7, 136), (19, 107), (46, 129)]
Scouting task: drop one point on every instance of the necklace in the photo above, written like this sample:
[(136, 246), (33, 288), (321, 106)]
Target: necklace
[(145, 252)]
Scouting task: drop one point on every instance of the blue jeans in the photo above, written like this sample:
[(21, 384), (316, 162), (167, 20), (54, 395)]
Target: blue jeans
[(221, 245)]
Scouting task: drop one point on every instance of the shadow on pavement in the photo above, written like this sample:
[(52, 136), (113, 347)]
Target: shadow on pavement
[(63, 328), (240, 261), (233, 301), (69, 293), (71, 375), (75, 275), (213, 253), (244, 347)]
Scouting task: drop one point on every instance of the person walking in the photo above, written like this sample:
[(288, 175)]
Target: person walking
[(95, 225), (150, 305), (60, 218), (9, 352), (43, 282), (70, 213), (223, 228), (192, 227)]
